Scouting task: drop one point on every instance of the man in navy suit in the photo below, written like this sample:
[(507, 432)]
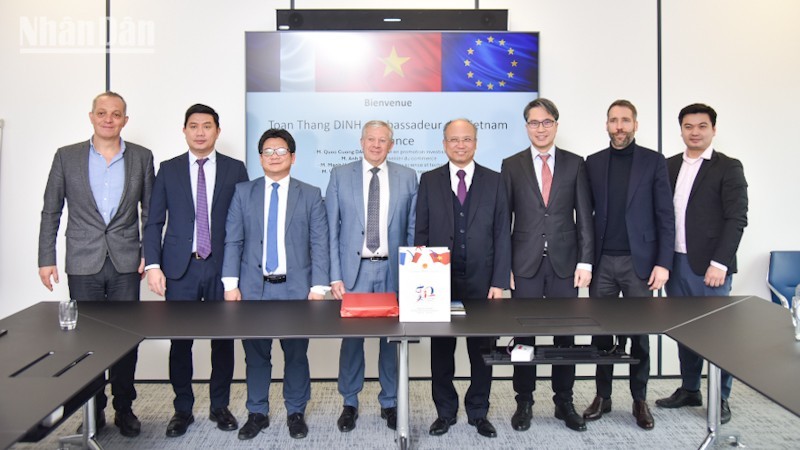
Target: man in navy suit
[(634, 229), (710, 215), (191, 194), (463, 206), (370, 205), (552, 244), (276, 248)]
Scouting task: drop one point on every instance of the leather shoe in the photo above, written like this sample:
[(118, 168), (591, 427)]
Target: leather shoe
[(680, 398), (297, 426), (598, 407), (566, 412), (724, 412), (521, 420), (390, 414), (347, 420), (224, 419), (179, 423), (642, 413), (484, 427), (441, 426), (255, 423), (128, 423)]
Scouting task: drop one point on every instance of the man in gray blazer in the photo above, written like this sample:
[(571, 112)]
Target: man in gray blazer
[(552, 244), (106, 181), (292, 263), (371, 207)]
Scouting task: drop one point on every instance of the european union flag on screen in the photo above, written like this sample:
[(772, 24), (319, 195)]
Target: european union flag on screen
[(490, 62)]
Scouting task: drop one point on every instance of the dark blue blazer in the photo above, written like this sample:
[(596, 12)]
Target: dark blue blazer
[(172, 199), (649, 214), (488, 225)]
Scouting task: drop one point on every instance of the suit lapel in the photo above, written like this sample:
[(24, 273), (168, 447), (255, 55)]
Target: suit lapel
[(637, 171), (357, 188), (184, 179), (561, 162), (291, 202), (256, 208), (475, 195), (127, 159), (526, 165), (219, 180), (446, 194), (394, 188), (83, 176), (705, 167)]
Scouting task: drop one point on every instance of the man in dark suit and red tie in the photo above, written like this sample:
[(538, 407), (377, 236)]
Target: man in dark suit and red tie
[(710, 203), (191, 194), (463, 206), (634, 228), (552, 244)]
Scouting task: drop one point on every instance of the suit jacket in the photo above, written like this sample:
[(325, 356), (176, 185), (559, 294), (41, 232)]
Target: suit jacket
[(344, 202), (306, 239), (716, 213), (565, 223), (172, 197), (89, 239), (488, 232), (649, 213)]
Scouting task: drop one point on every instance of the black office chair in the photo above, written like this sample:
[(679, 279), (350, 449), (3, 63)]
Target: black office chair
[(784, 276)]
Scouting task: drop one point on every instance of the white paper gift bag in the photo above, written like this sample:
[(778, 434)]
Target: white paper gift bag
[(424, 291)]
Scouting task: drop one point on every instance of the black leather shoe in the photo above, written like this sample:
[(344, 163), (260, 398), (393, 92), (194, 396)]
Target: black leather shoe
[(255, 423), (680, 398), (224, 419), (521, 420), (598, 407), (347, 420), (297, 426), (179, 423), (566, 412), (484, 427), (128, 423), (441, 426), (390, 414), (643, 416), (724, 412)]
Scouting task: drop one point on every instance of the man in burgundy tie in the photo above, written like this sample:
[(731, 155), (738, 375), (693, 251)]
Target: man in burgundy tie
[(463, 206), (552, 244), (192, 193)]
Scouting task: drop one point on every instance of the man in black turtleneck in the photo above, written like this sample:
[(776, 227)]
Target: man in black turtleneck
[(634, 225)]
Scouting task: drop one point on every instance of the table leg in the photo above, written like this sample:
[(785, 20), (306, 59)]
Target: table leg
[(714, 397), (402, 396), (87, 438)]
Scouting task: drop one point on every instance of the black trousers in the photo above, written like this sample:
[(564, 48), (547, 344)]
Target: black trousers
[(110, 285), (611, 276), (445, 397), (544, 284), (201, 282)]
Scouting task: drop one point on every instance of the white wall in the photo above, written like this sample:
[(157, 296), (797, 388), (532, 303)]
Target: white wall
[(740, 58)]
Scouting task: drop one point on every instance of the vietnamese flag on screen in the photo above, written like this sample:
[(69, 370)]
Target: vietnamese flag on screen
[(382, 62)]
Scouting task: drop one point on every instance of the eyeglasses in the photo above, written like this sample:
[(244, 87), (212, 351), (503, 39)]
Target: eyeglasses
[(280, 151), (534, 124), (456, 141)]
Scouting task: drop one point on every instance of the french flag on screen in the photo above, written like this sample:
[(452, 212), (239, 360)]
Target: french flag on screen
[(392, 62)]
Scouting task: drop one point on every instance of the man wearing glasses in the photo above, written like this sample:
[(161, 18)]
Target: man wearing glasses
[(370, 206), (276, 248), (552, 244), (463, 206)]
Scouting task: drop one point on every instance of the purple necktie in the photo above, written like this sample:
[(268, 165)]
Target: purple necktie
[(201, 213), (462, 187)]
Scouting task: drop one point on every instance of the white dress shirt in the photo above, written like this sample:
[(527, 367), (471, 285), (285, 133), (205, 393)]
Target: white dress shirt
[(470, 172), (283, 193), (383, 224), (210, 172)]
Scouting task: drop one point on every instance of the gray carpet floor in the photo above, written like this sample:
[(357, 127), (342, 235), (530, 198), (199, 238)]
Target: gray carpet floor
[(757, 421)]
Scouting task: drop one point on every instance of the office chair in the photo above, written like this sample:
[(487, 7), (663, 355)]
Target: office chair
[(783, 276)]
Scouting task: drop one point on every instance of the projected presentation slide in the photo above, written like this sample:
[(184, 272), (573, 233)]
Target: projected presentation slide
[(323, 86)]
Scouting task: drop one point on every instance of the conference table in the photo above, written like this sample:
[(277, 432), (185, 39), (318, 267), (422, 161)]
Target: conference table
[(744, 335)]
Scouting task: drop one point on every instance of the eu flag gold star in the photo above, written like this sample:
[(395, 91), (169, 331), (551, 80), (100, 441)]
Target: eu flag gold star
[(394, 63)]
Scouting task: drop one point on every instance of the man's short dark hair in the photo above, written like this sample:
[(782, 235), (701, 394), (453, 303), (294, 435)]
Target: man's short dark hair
[(625, 104), (548, 106), (198, 108), (698, 108), (277, 133)]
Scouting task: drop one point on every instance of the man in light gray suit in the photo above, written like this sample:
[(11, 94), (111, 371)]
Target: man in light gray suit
[(276, 248), (371, 207), (105, 180)]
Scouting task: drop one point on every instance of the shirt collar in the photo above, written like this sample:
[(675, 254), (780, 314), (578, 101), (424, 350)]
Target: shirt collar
[(283, 182), (212, 157), (550, 151), (705, 155), (469, 169), (366, 166), (121, 146)]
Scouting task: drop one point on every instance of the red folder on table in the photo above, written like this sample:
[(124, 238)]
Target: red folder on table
[(382, 304)]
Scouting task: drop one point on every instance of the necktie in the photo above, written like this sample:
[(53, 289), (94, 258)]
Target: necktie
[(462, 187), (547, 179), (373, 211), (201, 213), (272, 230)]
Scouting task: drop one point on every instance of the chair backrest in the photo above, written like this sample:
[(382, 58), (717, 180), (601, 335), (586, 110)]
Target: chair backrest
[(784, 275)]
